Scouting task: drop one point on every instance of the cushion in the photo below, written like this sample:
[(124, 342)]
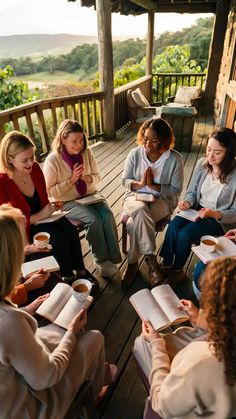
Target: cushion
[(186, 93), (139, 98), (179, 110)]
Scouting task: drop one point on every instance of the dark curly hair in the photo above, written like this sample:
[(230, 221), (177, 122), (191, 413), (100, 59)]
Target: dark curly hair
[(227, 139), (219, 303), (163, 131)]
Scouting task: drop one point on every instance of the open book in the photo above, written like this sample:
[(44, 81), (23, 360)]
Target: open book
[(48, 263), (225, 247), (61, 306), (159, 306), (189, 214), (56, 215), (90, 199)]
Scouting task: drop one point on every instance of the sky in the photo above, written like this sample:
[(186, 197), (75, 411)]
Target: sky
[(60, 16)]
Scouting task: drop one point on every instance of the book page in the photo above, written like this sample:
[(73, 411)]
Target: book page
[(148, 309), (57, 299), (90, 199), (70, 310), (189, 214), (48, 263), (56, 215), (169, 302)]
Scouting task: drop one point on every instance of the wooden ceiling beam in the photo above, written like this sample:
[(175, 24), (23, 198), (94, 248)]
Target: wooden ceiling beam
[(145, 4)]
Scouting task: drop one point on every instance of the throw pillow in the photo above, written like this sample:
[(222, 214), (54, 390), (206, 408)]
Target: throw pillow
[(139, 98), (185, 94)]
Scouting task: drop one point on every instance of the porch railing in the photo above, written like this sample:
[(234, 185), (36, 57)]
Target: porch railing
[(40, 119), (121, 107), (167, 84)]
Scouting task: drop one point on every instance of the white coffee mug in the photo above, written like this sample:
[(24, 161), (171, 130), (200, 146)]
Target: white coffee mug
[(81, 289), (41, 239)]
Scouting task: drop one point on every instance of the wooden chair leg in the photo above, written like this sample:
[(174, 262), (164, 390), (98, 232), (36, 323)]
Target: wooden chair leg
[(124, 238)]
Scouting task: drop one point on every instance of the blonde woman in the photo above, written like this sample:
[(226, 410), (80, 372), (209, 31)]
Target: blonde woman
[(22, 184), (71, 172), (42, 369)]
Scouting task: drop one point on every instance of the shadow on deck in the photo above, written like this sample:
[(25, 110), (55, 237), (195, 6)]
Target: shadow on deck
[(112, 313)]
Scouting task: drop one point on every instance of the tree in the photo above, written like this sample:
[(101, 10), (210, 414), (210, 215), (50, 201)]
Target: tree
[(13, 93)]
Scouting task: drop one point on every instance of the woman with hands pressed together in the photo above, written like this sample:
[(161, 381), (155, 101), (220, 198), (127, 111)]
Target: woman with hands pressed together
[(22, 184), (42, 369), (212, 192), (193, 375), (71, 172), (156, 170)]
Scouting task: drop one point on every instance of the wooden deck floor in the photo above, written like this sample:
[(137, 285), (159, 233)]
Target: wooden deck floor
[(112, 313)]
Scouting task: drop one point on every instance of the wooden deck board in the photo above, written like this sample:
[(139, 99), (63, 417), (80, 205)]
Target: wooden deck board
[(112, 313)]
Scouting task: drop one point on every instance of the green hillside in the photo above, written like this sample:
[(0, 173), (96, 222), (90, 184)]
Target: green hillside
[(41, 44)]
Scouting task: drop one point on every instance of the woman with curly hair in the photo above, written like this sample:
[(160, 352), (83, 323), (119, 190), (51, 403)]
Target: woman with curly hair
[(156, 170), (192, 378)]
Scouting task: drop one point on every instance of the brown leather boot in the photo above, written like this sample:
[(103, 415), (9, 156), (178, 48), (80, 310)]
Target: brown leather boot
[(129, 275), (154, 271)]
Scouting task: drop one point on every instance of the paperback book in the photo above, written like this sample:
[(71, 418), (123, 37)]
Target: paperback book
[(160, 306), (48, 263), (61, 306), (224, 247)]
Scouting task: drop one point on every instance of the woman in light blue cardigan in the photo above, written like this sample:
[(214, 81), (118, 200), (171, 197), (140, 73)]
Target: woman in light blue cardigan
[(212, 192), (152, 171)]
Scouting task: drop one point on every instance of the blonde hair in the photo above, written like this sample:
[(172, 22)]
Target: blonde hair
[(13, 143), (11, 250), (67, 127)]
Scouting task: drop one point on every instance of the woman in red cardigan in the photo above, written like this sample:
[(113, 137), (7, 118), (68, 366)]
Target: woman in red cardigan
[(22, 184)]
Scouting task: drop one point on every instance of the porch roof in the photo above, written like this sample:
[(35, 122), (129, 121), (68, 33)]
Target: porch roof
[(137, 7)]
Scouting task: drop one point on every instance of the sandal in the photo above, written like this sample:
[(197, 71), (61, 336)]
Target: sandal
[(110, 376)]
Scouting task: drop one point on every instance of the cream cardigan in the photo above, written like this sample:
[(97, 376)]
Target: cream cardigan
[(57, 174), (27, 368), (193, 386)]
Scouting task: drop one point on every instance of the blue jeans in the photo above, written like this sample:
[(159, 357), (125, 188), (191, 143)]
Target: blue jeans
[(199, 268), (180, 236)]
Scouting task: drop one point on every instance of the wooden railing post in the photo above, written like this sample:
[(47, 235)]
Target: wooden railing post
[(105, 60)]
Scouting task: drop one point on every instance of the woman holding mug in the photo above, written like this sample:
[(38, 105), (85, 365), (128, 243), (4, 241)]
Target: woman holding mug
[(212, 193), (42, 369)]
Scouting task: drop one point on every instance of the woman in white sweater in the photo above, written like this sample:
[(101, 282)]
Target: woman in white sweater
[(71, 172), (41, 370), (192, 378)]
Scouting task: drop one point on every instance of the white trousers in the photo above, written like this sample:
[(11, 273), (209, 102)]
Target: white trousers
[(141, 225)]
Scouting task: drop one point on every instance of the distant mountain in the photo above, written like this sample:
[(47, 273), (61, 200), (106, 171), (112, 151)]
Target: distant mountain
[(37, 45), (41, 44)]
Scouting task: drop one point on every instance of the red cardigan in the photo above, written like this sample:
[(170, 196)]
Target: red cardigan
[(10, 193)]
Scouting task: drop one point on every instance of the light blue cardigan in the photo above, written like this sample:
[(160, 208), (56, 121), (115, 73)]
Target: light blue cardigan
[(171, 177), (226, 202)]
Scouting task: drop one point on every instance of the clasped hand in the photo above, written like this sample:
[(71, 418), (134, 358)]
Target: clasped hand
[(147, 179), (77, 173)]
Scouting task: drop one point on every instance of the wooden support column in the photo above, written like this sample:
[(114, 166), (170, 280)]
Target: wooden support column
[(215, 54), (105, 60), (149, 50)]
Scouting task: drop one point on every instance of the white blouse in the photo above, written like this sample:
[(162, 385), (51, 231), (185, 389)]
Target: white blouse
[(210, 190)]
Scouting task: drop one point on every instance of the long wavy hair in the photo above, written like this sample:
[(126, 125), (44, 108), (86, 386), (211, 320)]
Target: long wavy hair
[(227, 139), (219, 303)]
